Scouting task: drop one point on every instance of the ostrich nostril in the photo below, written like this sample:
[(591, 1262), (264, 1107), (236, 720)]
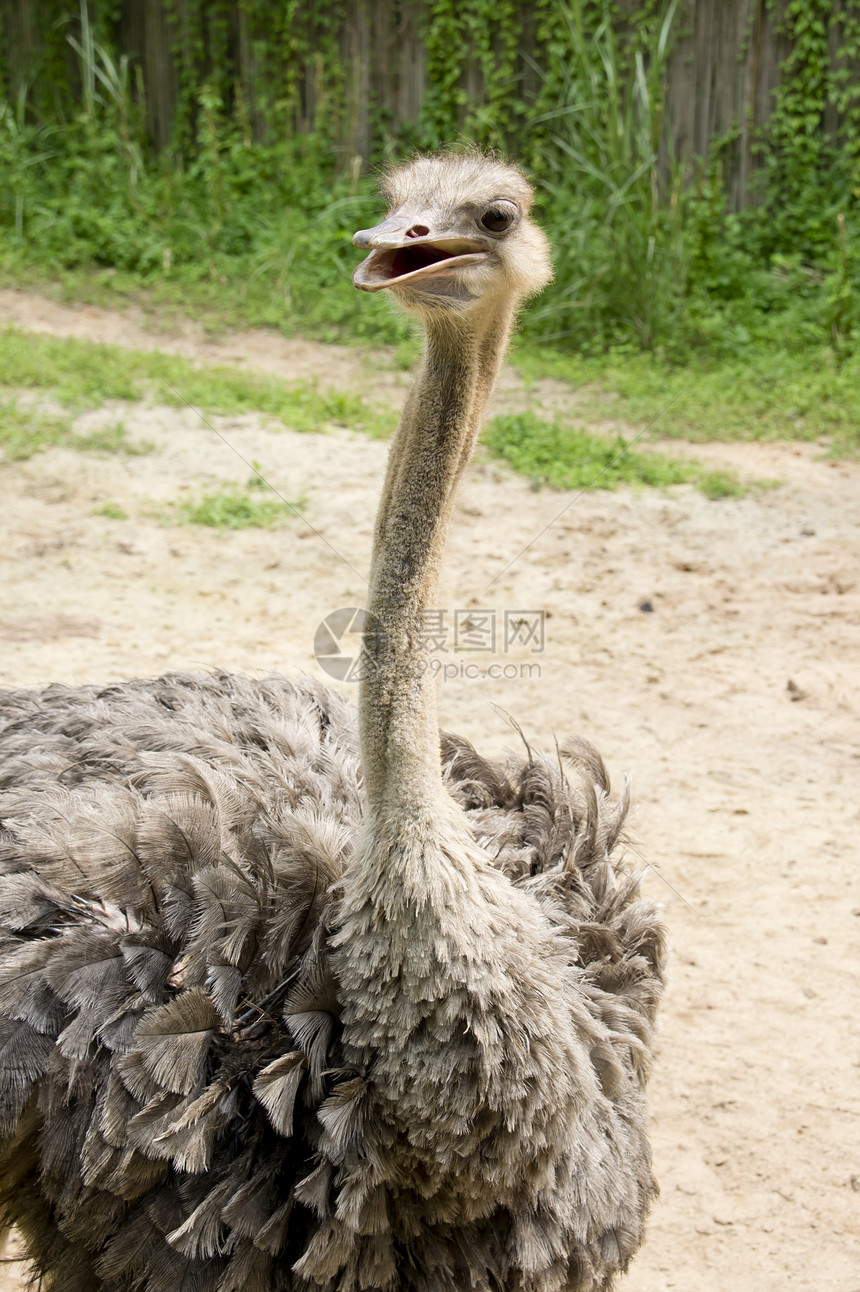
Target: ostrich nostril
[(417, 231)]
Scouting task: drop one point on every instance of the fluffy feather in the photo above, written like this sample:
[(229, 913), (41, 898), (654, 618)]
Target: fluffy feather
[(186, 968)]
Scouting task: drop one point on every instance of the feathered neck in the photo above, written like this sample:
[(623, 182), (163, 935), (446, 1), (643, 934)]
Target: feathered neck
[(434, 443), (438, 957)]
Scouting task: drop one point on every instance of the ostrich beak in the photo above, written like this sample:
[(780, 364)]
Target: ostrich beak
[(400, 254)]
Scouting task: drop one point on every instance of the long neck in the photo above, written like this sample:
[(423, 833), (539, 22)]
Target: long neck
[(434, 442)]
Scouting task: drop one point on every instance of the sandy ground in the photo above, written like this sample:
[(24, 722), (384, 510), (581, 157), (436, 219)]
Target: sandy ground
[(711, 649)]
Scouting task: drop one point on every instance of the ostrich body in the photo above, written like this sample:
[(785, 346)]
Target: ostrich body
[(290, 1005)]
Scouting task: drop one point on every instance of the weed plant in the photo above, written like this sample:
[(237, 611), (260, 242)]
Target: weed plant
[(748, 321), (26, 431), (569, 458), (110, 510), (235, 507), (777, 394), (648, 256), (84, 375)]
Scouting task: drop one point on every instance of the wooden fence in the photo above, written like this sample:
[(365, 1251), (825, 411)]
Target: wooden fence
[(723, 70)]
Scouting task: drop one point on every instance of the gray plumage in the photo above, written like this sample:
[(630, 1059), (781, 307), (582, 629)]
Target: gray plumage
[(282, 1008)]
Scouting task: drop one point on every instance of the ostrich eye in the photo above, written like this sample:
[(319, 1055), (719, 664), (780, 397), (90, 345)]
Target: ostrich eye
[(496, 220)]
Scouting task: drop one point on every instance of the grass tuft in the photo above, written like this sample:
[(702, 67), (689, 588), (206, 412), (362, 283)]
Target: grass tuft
[(235, 507), (111, 510), (569, 458), (84, 375), (770, 394), (724, 484), (26, 431), (113, 439)]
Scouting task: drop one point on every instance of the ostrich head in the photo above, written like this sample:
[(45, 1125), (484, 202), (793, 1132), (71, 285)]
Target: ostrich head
[(457, 236)]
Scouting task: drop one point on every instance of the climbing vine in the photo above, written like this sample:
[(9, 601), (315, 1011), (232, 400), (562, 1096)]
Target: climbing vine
[(501, 72), (810, 170), (271, 103)]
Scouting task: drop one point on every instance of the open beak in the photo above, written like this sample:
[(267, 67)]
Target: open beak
[(397, 258)]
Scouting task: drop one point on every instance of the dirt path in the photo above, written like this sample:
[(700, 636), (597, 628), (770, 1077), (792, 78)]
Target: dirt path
[(733, 700)]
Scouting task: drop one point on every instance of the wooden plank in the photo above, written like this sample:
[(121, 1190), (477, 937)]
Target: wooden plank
[(722, 72)]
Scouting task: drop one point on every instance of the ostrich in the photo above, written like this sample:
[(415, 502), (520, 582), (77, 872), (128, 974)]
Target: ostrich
[(287, 1005)]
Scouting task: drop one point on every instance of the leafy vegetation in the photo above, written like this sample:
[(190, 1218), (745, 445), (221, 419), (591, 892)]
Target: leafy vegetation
[(737, 324), (26, 431), (236, 507), (111, 510), (235, 221), (772, 394), (569, 458), (84, 375)]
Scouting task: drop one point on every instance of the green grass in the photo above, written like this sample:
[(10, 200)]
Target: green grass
[(235, 507), (648, 254), (770, 394), (569, 458), (83, 375), (111, 510), (26, 431), (112, 439), (241, 295)]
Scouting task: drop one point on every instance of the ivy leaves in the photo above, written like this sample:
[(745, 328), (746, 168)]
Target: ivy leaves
[(811, 172)]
